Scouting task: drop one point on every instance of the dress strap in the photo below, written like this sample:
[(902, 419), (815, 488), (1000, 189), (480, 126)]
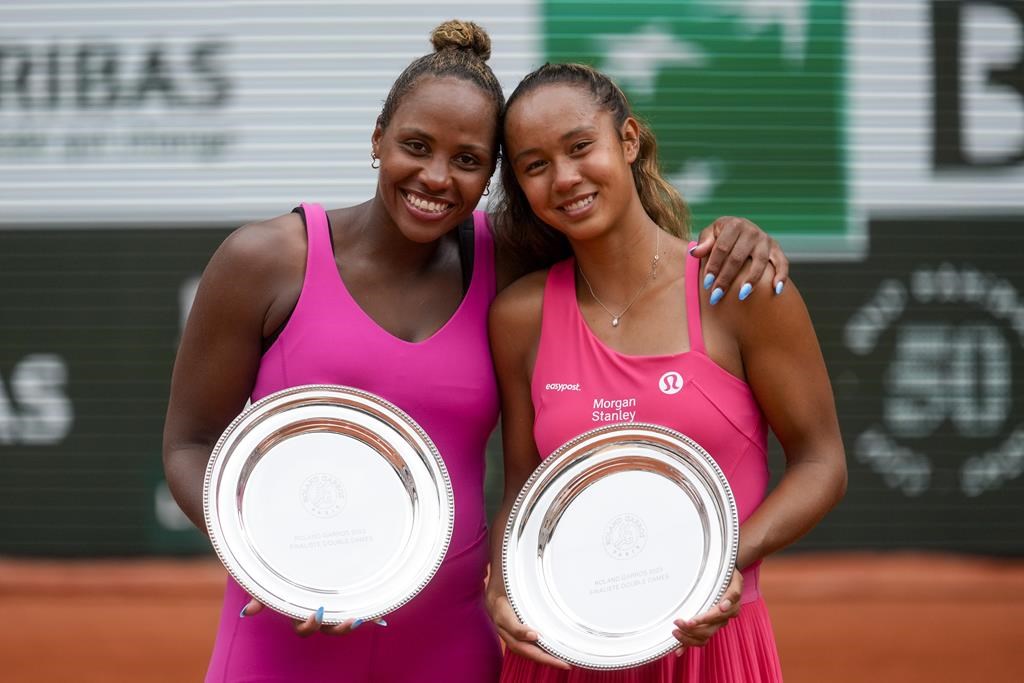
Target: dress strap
[(560, 293), (693, 325), (319, 252), (557, 318), (483, 255)]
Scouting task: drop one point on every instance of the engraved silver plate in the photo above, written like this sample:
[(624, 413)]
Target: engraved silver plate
[(325, 495), (618, 533)]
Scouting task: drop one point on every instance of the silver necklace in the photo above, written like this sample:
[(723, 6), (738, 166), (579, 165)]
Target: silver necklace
[(616, 318)]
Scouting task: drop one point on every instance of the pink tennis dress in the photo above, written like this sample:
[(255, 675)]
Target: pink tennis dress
[(446, 383), (579, 383)]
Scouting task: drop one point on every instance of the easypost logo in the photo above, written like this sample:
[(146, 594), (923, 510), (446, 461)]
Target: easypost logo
[(746, 100)]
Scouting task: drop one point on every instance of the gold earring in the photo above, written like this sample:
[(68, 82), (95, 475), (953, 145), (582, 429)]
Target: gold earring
[(375, 160)]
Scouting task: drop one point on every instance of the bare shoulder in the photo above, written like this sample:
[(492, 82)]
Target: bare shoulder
[(262, 248), (515, 323), (766, 318), (256, 274), (521, 302)]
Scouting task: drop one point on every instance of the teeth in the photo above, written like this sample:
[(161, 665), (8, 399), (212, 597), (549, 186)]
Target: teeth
[(577, 205), (424, 205)]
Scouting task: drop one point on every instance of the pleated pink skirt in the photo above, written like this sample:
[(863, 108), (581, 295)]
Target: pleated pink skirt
[(742, 651)]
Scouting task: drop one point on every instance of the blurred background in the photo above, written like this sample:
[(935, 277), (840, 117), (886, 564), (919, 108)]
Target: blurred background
[(881, 141)]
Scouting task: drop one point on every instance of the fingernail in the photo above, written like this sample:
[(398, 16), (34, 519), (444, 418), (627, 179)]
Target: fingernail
[(319, 618), (708, 279), (717, 295), (690, 250), (778, 287), (242, 614), (745, 290), (356, 624), (726, 604), (380, 622)]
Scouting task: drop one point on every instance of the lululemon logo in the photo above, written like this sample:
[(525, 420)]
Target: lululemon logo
[(671, 383)]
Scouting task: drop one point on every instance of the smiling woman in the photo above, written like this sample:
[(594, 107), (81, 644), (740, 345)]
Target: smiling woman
[(432, 163), (389, 296), (583, 182)]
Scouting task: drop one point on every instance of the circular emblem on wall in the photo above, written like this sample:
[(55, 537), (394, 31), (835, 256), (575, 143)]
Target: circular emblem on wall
[(945, 339), (625, 536), (323, 495)]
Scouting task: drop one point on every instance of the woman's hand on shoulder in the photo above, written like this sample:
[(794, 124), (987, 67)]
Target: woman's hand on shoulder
[(729, 243)]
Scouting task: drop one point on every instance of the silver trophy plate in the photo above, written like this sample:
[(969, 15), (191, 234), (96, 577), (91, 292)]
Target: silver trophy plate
[(618, 533), (325, 495)]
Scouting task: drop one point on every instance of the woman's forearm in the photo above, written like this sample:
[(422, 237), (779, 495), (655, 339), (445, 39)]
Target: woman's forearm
[(496, 579), (807, 491), (185, 470)]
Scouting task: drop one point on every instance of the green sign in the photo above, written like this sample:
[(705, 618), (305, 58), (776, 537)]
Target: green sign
[(746, 99)]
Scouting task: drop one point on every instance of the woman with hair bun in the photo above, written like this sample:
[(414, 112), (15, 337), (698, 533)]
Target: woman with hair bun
[(390, 296)]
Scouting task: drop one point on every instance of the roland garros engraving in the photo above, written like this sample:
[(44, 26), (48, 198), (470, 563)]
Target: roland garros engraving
[(624, 536), (323, 495)]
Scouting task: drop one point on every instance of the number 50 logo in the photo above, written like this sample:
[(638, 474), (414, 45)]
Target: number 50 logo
[(942, 373), (945, 372)]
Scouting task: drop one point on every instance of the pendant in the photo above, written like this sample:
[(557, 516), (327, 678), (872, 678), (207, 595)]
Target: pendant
[(615, 322)]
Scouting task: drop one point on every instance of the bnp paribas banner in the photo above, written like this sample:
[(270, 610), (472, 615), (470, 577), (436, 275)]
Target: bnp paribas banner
[(882, 142)]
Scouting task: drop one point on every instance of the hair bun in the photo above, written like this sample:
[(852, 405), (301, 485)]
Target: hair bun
[(462, 35)]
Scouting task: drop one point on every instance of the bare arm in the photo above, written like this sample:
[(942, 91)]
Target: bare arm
[(220, 352), (784, 366), (247, 292), (728, 242), (514, 326)]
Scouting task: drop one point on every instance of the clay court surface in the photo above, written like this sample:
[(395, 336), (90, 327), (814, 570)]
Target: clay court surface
[(839, 617)]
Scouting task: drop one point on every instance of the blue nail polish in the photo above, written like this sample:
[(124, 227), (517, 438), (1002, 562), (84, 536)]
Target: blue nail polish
[(745, 290), (356, 624), (708, 279), (320, 615), (717, 295), (242, 615), (778, 287)]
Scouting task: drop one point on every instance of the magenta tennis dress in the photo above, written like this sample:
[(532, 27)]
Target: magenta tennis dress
[(579, 384), (447, 384)]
